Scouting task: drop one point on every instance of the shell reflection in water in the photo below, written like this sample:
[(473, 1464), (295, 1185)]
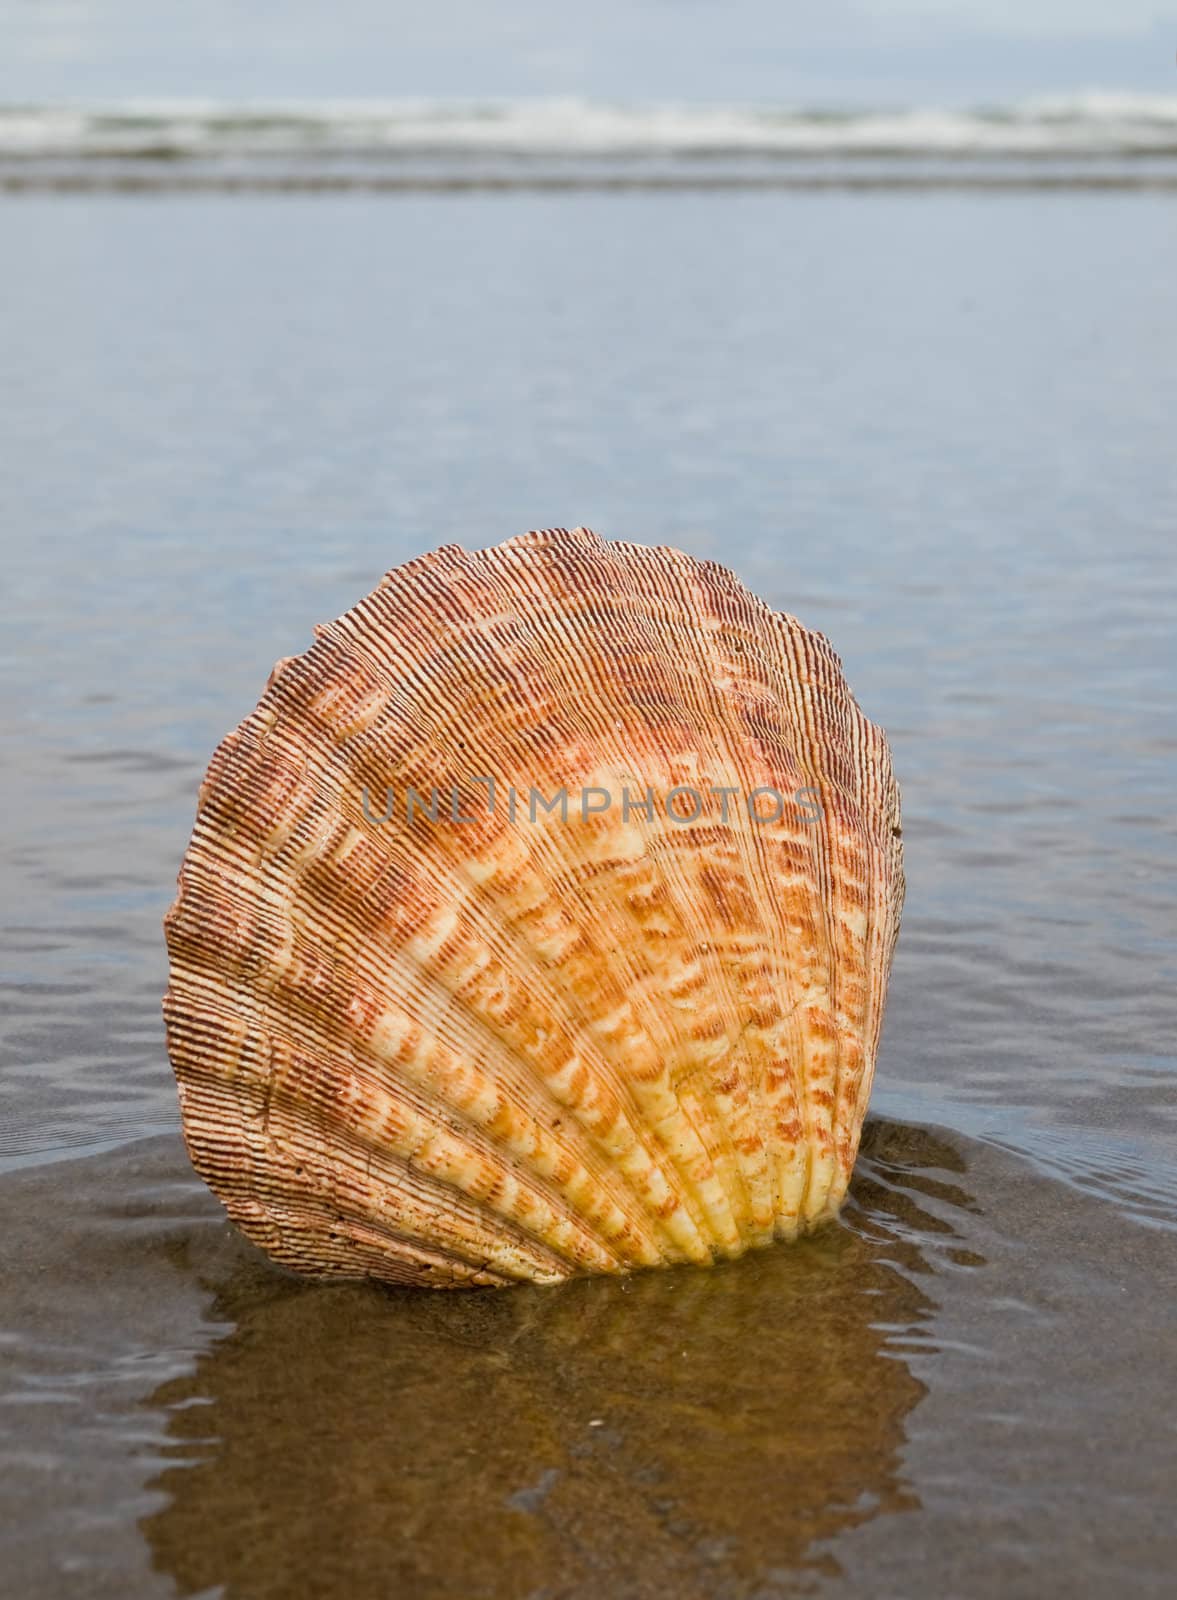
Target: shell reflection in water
[(681, 1433), (469, 1038)]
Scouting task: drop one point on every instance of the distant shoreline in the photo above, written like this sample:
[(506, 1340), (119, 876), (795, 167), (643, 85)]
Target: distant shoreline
[(172, 182)]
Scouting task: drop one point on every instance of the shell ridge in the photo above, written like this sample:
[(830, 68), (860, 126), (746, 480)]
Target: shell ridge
[(734, 589), (663, 1160), (686, 897), (264, 889), (731, 590), (808, 658), (636, 1117), (314, 1018), (821, 1126), (579, 1031), (612, 948), (504, 1230), (720, 1222), (683, 574)]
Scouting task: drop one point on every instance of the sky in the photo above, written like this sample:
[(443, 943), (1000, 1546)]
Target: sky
[(811, 51)]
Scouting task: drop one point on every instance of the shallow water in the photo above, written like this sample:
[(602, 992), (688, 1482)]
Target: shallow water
[(938, 428), (914, 1395)]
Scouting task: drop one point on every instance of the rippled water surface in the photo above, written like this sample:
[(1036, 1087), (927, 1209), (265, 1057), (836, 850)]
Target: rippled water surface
[(940, 429)]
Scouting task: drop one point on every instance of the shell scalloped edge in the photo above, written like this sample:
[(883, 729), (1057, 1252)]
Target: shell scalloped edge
[(431, 1030)]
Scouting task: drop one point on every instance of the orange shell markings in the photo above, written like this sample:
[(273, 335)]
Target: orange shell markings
[(537, 922)]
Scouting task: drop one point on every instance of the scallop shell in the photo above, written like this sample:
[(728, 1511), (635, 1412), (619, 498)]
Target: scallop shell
[(433, 1025)]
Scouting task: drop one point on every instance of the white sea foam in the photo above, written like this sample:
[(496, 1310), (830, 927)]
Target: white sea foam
[(1091, 123)]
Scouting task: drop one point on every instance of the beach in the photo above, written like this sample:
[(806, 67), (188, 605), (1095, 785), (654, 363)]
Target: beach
[(936, 425)]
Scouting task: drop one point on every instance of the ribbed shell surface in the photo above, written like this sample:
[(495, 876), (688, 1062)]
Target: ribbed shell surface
[(463, 1036)]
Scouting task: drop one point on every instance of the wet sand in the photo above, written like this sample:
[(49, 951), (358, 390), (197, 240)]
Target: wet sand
[(925, 1397)]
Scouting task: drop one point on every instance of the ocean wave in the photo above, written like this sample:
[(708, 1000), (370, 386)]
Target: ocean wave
[(1087, 124)]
